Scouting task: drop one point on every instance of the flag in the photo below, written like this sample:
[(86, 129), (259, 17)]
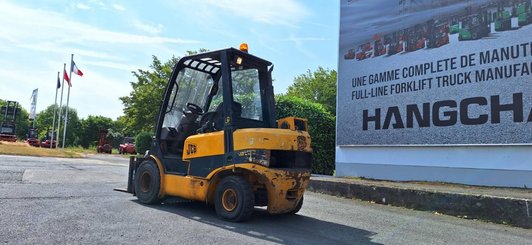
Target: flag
[(65, 76), (33, 103), (76, 70), (58, 81)]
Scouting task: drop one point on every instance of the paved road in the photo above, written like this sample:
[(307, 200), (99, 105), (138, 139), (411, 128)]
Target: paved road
[(51, 201)]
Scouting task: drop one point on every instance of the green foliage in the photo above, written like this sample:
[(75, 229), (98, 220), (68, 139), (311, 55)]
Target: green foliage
[(115, 138), (89, 133), (44, 119), (143, 142), (120, 125), (318, 86), (141, 106), (246, 92), (321, 129)]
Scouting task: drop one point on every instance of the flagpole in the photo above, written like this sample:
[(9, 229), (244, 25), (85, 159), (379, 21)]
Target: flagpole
[(60, 107), (33, 126), (55, 110), (68, 98)]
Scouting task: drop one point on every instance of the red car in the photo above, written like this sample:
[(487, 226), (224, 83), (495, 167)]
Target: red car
[(128, 147), (45, 142)]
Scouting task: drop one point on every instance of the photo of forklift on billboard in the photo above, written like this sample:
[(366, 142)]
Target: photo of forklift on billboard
[(458, 21), (426, 72)]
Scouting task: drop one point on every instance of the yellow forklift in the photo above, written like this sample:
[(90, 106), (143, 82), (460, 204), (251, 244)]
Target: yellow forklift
[(217, 140)]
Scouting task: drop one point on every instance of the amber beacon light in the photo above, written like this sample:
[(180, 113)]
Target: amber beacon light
[(244, 47)]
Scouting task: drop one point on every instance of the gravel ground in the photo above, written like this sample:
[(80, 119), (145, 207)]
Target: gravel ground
[(71, 201)]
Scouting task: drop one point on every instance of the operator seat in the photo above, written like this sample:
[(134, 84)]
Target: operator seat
[(187, 127)]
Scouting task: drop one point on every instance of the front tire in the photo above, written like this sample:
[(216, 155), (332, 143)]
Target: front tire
[(234, 199), (147, 183), (297, 208)]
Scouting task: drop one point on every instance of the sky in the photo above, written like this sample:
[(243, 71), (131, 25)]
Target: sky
[(110, 39)]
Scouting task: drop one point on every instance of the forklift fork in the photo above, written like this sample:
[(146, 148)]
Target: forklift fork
[(133, 165)]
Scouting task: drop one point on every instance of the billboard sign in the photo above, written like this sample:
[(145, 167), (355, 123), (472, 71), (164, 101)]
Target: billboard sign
[(435, 72)]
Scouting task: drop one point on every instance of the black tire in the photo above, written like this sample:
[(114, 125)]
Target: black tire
[(147, 183), (297, 208), (234, 199)]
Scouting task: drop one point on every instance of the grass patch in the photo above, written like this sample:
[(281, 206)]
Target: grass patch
[(92, 150), (81, 150), (23, 149)]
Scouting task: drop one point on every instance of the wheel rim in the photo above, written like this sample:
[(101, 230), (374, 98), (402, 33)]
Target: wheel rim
[(145, 181), (229, 200)]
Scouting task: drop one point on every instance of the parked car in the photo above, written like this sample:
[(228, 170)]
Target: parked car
[(128, 147)]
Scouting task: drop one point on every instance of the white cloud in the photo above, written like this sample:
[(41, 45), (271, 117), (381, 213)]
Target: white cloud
[(97, 2), (147, 27), (37, 43), (303, 39), (283, 12), (55, 26), (112, 65), (96, 93), (118, 7), (82, 6), (56, 48), (299, 45)]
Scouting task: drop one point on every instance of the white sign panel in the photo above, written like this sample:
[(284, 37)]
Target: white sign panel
[(435, 72)]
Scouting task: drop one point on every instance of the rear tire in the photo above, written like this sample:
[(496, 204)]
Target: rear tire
[(147, 183), (297, 208), (234, 199)]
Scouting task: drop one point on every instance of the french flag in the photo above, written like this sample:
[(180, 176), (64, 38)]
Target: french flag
[(75, 70), (65, 76)]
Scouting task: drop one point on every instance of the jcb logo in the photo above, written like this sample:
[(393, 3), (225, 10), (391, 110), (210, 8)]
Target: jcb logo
[(301, 143), (191, 149)]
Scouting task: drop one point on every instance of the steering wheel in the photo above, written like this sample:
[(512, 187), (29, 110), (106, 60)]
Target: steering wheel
[(195, 109), (207, 122)]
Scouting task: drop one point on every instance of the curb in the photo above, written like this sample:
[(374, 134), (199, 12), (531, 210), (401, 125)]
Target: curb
[(510, 211)]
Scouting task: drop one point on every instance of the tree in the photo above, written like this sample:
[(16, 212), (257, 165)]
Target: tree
[(318, 86), (321, 124), (90, 129), (141, 106), (120, 125), (143, 142), (44, 119), (116, 138)]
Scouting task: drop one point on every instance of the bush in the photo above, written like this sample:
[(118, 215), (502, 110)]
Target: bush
[(321, 125), (143, 142)]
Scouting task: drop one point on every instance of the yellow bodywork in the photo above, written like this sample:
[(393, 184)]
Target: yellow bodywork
[(284, 187), (211, 144)]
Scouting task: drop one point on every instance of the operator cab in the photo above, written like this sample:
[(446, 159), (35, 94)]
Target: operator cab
[(223, 90)]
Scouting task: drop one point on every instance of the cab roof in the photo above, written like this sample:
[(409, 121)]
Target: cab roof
[(209, 62)]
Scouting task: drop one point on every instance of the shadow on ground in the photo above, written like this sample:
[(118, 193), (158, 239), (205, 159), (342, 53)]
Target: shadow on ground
[(285, 229)]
